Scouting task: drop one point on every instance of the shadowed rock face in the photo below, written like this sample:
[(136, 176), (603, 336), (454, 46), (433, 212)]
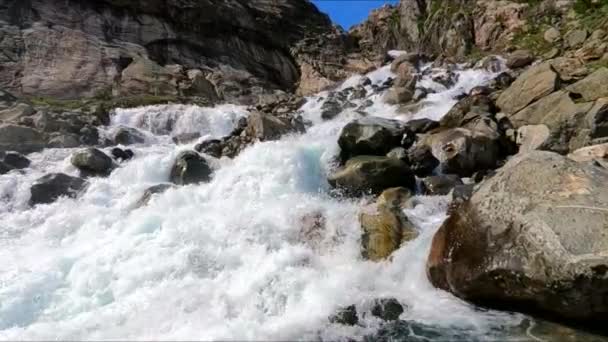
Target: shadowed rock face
[(74, 48)]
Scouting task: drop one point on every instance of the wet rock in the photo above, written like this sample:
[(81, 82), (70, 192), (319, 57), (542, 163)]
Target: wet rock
[(150, 192), (52, 186), (265, 127), (330, 109), (64, 140), (491, 64), (211, 147), (128, 136), (536, 82), (421, 160), (185, 138), (122, 155), (420, 126), (440, 184), (15, 160), (398, 153), (5, 168), (92, 162), (531, 238), (190, 168), (502, 81), (412, 331), (372, 174), (371, 136), (384, 224), (312, 228), (397, 95), (358, 93), (20, 139), (387, 309), (519, 59), (345, 316)]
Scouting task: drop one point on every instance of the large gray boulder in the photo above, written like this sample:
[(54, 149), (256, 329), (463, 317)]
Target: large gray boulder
[(535, 83), (372, 174), (52, 186), (265, 127), (21, 139), (371, 136), (190, 168), (591, 87), (92, 162), (532, 238)]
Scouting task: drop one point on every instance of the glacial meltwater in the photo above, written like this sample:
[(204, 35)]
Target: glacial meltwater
[(225, 260)]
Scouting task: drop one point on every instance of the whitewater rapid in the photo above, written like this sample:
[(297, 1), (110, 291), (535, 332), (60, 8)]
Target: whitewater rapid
[(219, 261)]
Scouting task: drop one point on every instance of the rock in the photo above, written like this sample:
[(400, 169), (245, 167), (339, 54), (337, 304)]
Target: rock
[(312, 228), (596, 152), (491, 64), (199, 86), (575, 38), (128, 136), (387, 309), (467, 109), (266, 127), (150, 192), (20, 139), (371, 136), (52, 186), (531, 238), (93, 162), (15, 160), (397, 95), (552, 35), (211, 147), (591, 87), (64, 140), (190, 168), (5, 168), (385, 226), (16, 112), (532, 137), (440, 185), (519, 59), (420, 126), (501, 81), (536, 82), (462, 151), (330, 109), (372, 174), (185, 138), (421, 160), (122, 155), (597, 119), (345, 316), (398, 153), (569, 69)]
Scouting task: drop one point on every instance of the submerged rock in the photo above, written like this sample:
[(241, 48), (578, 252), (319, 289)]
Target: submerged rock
[(345, 316), (15, 160), (531, 238), (92, 161), (372, 174), (387, 309), (151, 191), (122, 155), (128, 136), (190, 168), (52, 186)]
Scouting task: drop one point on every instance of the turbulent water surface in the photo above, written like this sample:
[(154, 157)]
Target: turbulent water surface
[(224, 260)]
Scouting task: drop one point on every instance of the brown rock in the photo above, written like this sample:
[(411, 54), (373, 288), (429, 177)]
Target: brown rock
[(535, 83)]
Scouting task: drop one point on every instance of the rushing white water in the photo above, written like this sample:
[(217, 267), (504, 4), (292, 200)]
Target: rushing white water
[(219, 261)]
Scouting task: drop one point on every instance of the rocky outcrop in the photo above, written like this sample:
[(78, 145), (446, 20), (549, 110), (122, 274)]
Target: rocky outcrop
[(530, 238), (71, 49), (52, 186)]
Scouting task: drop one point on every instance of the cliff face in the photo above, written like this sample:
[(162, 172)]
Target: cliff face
[(80, 48)]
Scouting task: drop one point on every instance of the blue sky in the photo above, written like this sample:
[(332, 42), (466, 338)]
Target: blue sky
[(349, 12)]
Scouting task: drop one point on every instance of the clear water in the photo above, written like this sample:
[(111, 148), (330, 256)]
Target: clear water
[(219, 261)]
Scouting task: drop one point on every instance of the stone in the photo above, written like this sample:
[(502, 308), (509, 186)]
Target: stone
[(421, 160), (552, 35), (52, 186), (421, 126), (597, 119), (64, 140), (185, 138), (398, 153), (371, 136), (467, 109), (532, 137), (151, 191), (20, 139), (92, 162), (575, 38), (387, 309), (211, 147), (372, 174), (345, 316), (330, 109), (590, 153), (16, 112), (397, 95), (385, 226), (265, 127), (551, 111), (591, 87), (16, 160), (536, 82), (128, 136), (520, 59), (122, 155), (532, 238), (440, 184), (190, 168), (569, 69)]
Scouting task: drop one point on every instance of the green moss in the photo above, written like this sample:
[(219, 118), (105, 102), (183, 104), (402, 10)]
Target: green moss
[(602, 63), (532, 40), (105, 101)]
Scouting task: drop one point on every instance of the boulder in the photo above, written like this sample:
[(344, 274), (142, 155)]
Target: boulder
[(122, 155), (265, 127), (552, 35), (52, 186), (467, 109), (421, 126), (20, 139), (372, 174), (345, 316), (398, 94), (575, 38), (519, 59), (190, 168), (15, 160), (387, 309), (384, 225), (64, 140), (211, 147), (421, 160), (596, 152), (532, 137), (371, 136), (591, 87), (535, 83), (92, 162), (150, 192), (569, 69), (440, 184), (398, 153), (128, 136), (597, 119), (5, 168), (531, 238)]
